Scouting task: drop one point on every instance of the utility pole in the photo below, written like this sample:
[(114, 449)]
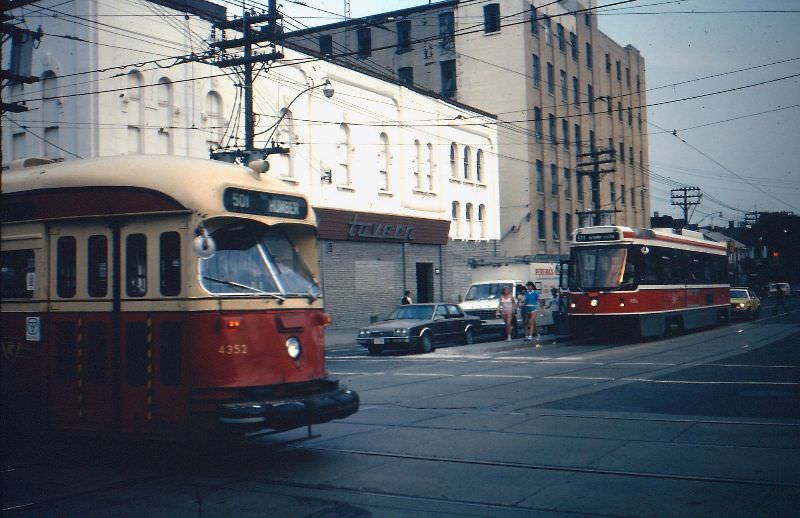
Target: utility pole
[(751, 218), (21, 54), (685, 197), (589, 165), (250, 35)]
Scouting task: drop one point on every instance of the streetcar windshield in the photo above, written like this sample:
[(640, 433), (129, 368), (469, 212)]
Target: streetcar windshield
[(256, 260), (601, 268)]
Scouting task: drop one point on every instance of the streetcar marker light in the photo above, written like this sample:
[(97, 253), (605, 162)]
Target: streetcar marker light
[(233, 324)]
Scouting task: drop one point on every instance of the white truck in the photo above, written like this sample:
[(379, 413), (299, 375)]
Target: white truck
[(488, 281)]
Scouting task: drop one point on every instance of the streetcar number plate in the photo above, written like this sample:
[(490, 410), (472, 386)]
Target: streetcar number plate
[(379, 341)]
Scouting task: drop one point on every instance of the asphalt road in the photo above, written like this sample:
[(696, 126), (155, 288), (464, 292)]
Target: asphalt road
[(704, 424)]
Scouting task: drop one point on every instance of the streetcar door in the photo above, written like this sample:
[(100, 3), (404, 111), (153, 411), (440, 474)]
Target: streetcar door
[(81, 380)]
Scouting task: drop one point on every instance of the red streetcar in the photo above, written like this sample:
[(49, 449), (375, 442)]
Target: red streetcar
[(162, 296), (645, 282)]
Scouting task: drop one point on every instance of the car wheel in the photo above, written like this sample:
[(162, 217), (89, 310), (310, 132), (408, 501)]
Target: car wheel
[(425, 343), (375, 350), (468, 338)]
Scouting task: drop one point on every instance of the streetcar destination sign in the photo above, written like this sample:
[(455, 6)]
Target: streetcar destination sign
[(264, 203), (600, 236)]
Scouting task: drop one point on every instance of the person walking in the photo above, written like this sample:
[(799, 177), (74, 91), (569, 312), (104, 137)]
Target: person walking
[(780, 302), (406, 298), (506, 308), (555, 307), (531, 305)]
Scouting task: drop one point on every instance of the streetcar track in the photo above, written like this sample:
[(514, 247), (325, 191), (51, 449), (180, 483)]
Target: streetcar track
[(555, 468)]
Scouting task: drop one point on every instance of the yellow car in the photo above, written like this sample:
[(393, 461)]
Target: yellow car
[(744, 303)]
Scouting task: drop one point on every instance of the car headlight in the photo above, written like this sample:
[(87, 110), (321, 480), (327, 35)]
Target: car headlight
[(363, 332), (402, 332), (741, 304), (293, 347)]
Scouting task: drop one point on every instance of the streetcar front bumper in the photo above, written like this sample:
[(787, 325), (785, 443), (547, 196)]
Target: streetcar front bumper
[(289, 412)]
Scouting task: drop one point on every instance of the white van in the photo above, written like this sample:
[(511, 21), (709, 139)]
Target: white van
[(482, 300)]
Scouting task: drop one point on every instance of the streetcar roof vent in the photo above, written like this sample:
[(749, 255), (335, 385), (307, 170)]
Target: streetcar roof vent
[(32, 161), (692, 233)]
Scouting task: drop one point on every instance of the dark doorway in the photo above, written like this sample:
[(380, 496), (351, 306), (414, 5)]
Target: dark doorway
[(424, 282)]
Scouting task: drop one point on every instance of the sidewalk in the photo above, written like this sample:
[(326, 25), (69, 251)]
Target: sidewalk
[(340, 336)]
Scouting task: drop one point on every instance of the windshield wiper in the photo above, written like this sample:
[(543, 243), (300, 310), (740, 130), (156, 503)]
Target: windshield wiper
[(245, 287)]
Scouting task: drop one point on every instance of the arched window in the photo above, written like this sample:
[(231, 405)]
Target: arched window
[(429, 166), (453, 158), (343, 155), (135, 112), (214, 119), (479, 166), (165, 111), (285, 137), (51, 114), (383, 162), (482, 220), (416, 165), (467, 172), (468, 217), (455, 227)]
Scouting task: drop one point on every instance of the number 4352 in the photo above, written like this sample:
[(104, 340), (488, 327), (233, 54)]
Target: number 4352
[(233, 349)]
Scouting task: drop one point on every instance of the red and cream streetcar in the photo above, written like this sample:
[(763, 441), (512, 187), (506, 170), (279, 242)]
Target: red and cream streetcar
[(161, 295), (645, 282)]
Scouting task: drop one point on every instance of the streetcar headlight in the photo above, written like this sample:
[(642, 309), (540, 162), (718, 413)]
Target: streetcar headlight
[(572, 305), (593, 303), (293, 347)]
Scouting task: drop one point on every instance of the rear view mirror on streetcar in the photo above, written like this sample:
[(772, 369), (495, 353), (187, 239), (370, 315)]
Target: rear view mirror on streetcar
[(204, 245)]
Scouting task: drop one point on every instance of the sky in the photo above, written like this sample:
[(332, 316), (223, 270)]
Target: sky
[(742, 165)]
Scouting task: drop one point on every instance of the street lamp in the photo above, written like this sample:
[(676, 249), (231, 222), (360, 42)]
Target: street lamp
[(327, 91)]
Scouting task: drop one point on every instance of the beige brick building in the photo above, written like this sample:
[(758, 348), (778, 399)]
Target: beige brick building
[(558, 85)]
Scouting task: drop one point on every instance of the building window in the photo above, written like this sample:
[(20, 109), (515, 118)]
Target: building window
[(638, 85), (383, 162), (539, 176), (429, 165), (622, 152), (364, 41), (609, 107), (630, 117), (612, 191), (18, 145), (448, 71), (170, 263), (66, 267), (453, 158), (97, 266), (591, 141), (534, 21), (136, 265), (283, 164), (491, 18), (403, 36), (537, 123), (641, 159), (639, 120), (548, 29), (567, 184), (563, 79), (628, 77), (565, 133), (555, 223), (562, 43), (447, 28), (551, 125), (633, 198), (326, 44), (468, 218), (619, 111), (568, 226), (405, 75), (482, 220), (51, 114), (479, 166), (576, 100), (588, 55), (590, 95), (622, 194), (343, 154), (578, 142), (214, 119), (540, 224), (619, 71), (467, 172), (608, 64), (587, 19), (579, 187), (165, 111), (455, 211), (550, 79), (553, 180), (135, 112), (416, 163), (537, 71), (573, 43), (641, 198), (630, 155)]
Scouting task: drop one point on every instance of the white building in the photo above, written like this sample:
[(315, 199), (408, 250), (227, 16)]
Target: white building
[(386, 168)]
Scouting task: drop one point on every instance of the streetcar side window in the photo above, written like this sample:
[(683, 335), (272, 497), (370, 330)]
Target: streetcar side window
[(136, 265), (136, 354), (170, 335), (170, 263), (97, 352), (18, 274), (65, 267), (97, 263)]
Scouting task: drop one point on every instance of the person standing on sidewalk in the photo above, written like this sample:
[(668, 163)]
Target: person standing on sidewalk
[(555, 306), (506, 308), (780, 302), (406, 298), (531, 305)]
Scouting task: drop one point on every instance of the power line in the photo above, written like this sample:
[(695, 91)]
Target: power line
[(12, 121)]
